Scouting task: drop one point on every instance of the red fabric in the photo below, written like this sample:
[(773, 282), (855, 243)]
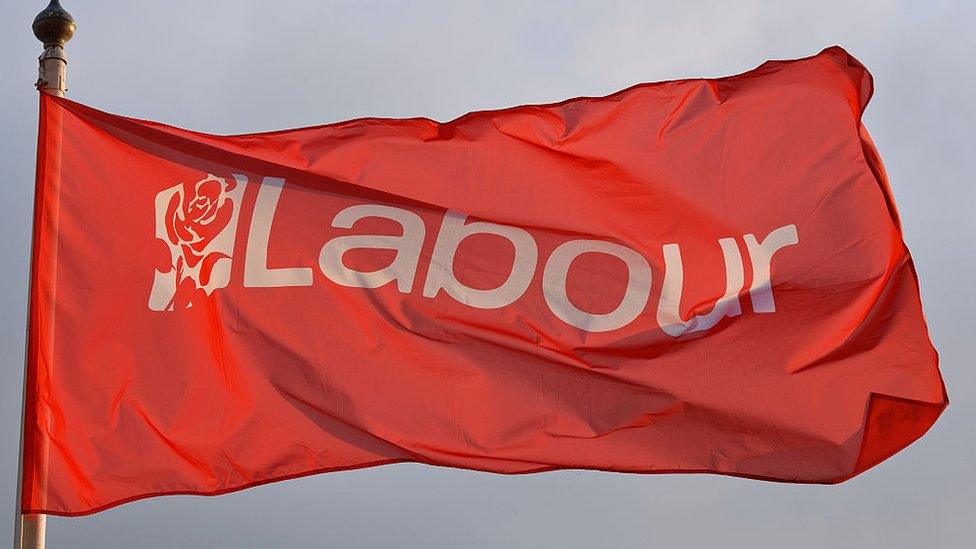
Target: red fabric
[(158, 364)]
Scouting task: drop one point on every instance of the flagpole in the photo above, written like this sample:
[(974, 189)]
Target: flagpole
[(53, 26)]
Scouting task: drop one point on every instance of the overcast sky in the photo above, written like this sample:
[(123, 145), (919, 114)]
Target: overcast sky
[(233, 66)]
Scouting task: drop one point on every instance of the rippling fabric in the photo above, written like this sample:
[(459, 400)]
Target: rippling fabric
[(704, 275)]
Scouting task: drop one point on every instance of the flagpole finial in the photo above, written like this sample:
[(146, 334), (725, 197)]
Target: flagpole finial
[(54, 26)]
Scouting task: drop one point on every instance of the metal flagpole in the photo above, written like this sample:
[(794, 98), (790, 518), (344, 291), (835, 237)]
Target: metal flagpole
[(53, 27)]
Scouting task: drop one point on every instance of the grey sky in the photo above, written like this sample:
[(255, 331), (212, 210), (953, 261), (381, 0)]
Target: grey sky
[(232, 66)]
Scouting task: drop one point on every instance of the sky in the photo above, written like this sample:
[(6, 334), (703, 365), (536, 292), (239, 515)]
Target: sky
[(238, 66)]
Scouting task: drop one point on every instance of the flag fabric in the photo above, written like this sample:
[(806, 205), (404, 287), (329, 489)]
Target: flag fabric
[(703, 275)]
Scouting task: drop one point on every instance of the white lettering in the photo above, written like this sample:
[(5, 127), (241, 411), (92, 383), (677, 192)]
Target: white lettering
[(761, 254), (408, 247), (441, 273), (256, 271), (668, 313), (632, 304)]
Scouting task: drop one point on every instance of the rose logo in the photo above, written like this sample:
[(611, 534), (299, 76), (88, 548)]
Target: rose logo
[(195, 217), (197, 222)]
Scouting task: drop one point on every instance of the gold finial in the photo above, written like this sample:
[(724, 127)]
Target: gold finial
[(54, 25)]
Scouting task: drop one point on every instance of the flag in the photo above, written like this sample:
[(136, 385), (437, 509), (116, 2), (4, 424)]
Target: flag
[(703, 275)]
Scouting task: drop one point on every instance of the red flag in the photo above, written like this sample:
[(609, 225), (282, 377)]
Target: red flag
[(688, 276)]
